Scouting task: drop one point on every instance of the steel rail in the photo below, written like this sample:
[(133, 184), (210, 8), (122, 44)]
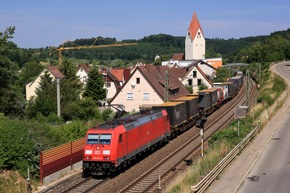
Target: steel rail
[(151, 177), (202, 185)]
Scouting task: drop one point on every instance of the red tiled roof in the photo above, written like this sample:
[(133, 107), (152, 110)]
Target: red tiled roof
[(194, 26), (178, 56), (179, 72), (85, 67), (156, 77), (55, 71), (118, 73)]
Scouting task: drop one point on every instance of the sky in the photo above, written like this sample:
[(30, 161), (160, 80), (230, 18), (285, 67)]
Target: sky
[(41, 23)]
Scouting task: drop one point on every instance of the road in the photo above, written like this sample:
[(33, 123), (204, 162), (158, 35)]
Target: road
[(271, 172), (264, 166)]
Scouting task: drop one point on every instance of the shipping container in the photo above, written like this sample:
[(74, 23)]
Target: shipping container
[(191, 105), (176, 112)]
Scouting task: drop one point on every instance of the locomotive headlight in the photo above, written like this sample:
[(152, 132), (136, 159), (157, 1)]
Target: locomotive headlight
[(106, 152), (88, 151)]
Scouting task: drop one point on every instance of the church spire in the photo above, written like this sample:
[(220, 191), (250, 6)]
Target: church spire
[(195, 40), (194, 26)]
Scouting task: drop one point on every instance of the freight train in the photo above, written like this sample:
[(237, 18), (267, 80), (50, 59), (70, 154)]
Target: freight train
[(115, 144)]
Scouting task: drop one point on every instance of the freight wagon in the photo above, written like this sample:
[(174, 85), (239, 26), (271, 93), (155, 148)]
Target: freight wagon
[(207, 100), (177, 113)]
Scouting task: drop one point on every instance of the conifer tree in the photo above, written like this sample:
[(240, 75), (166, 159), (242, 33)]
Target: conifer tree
[(94, 87)]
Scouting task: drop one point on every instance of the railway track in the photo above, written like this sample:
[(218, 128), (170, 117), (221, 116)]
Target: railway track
[(85, 186), (148, 181), (74, 184)]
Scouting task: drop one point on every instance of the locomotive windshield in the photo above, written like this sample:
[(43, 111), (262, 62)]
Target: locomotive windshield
[(99, 138)]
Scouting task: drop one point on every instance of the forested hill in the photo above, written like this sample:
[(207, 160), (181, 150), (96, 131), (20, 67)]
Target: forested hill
[(269, 48)]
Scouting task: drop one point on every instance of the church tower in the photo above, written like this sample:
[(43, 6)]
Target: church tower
[(194, 41)]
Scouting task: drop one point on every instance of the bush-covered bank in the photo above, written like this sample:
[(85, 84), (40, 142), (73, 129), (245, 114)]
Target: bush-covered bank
[(21, 142), (223, 141)]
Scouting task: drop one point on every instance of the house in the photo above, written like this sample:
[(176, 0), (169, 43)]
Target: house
[(206, 68), (196, 77), (111, 83), (31, 87), (83, 71), (147, 86)]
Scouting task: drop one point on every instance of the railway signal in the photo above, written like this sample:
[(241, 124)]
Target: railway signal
[(200, 124)]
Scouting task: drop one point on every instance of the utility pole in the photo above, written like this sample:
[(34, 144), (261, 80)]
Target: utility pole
[(58, 95), (248, 87), (166, 86), (106, 87)]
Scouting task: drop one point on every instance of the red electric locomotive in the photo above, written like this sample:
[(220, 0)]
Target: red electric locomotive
[(114, 144)]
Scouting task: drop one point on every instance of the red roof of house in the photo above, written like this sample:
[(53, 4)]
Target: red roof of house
[(85, 67), (118, 73), (178, 56), (194, 26), (55, 71), (156, 77)]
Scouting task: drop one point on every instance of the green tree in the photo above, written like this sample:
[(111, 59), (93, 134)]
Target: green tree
[(222, 74), (29, 72), (45, 101), (70, 88), (94, 87), (287, 51), (11, 97)]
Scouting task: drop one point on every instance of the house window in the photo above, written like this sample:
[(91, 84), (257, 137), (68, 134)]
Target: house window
[(137, 80), (108, 85), (174, 92), (84, 78), (145, 96), (194, 74), (189, 82), (129, 96), (198, 82)]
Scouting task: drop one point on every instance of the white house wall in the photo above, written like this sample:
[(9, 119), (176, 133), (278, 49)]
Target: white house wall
[(32, 86), (206, 69), (195, 80), (112, 90), (138, 91), (82, 75)]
